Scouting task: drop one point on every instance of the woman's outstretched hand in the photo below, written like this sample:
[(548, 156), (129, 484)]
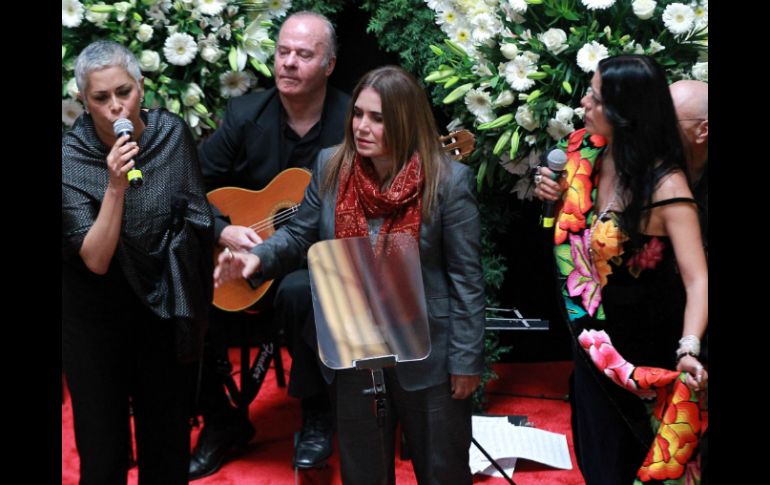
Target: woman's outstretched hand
[(233, 265)]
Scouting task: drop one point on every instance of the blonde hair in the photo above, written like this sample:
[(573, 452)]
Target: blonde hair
[(409, 128)]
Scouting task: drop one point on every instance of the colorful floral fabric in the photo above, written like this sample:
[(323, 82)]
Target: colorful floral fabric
[(586, 260), (675, 415)]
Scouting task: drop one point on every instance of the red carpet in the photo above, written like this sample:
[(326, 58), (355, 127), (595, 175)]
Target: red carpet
[(275, 415)]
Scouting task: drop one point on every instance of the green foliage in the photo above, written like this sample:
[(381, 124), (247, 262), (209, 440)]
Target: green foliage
[(529, 64), (406, 27), (329, 8)]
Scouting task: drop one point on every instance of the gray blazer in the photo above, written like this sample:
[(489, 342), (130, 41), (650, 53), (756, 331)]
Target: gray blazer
[(450, 245)]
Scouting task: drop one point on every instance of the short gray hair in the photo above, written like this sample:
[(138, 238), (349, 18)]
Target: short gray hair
[(331, 34), (104, 53)]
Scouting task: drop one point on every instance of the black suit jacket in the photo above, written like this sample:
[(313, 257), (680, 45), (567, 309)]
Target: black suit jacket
[(245, 151)]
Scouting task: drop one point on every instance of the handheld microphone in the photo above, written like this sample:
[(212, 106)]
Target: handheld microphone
[(557, 160), (121, 127)]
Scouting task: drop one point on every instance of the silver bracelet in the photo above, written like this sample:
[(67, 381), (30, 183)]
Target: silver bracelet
[(688, 345)]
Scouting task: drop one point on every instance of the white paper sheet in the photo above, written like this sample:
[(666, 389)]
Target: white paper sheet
[(506, 442)]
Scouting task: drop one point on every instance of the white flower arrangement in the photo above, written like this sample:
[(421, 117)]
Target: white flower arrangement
[(534, 60), (194, 54)]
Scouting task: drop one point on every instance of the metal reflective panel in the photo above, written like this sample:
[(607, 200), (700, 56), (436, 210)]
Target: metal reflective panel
[(369, 301)]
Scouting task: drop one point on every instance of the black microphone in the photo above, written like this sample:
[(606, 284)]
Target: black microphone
[(122, 127), (179, 205), (557, 160)]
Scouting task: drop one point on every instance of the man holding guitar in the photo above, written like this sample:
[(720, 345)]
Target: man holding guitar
[(262, 135)]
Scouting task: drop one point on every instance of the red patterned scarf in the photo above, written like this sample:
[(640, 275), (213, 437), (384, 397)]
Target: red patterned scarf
[(359, 198)]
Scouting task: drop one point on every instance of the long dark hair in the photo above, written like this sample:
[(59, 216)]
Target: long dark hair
[(409, 127), (646, 144)]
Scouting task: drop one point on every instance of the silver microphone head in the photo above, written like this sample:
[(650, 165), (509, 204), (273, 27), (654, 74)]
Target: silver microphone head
[(123, 126), (557, 160)]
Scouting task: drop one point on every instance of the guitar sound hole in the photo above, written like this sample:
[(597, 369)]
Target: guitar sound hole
[(282, 215)]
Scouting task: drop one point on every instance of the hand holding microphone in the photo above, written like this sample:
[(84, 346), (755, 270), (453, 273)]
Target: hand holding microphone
[(548, 186), (121, 128)]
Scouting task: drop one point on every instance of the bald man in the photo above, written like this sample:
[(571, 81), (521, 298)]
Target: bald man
[(691, 102)]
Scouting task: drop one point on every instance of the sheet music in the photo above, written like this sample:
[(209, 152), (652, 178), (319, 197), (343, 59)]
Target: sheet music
[(506, 442)]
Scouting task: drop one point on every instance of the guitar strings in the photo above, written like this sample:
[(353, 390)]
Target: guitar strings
[(276, 219)]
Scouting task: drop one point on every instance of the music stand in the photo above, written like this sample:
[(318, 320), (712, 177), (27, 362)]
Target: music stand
[(369, 304)]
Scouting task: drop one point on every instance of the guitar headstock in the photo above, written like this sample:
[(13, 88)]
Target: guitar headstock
[(459, 144)]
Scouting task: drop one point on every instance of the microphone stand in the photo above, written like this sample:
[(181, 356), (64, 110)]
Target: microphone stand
[(375, 365)]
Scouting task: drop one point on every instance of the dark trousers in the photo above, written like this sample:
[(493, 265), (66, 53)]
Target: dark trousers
[(292, 310), (108, 361), (437, 430), (294, 306)]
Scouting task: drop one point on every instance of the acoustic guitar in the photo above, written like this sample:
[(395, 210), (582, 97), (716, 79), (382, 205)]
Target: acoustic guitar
[(265, 210)]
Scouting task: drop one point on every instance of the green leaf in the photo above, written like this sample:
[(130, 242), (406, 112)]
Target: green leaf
[(564, 259), (480, 175)]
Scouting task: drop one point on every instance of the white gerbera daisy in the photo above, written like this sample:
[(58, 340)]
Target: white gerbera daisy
[(210, 7), (447, 16), (485, 27), (233, 83), (678, 18), (71, 13), (479, 102), (597, 4), (590, 54), (70, 110), (701, 15), (516, 73), (180, 49)]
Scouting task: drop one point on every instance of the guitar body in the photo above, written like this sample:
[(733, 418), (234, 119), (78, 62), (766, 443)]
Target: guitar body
[(261, 210)]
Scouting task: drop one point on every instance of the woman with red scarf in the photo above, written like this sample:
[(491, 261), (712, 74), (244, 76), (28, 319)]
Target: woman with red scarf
[(391, 176)]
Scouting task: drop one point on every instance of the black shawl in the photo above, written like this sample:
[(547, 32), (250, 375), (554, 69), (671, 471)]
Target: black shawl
[(166, 239)]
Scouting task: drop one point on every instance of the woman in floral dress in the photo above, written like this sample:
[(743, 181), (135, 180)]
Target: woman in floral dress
[(633, 275)]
